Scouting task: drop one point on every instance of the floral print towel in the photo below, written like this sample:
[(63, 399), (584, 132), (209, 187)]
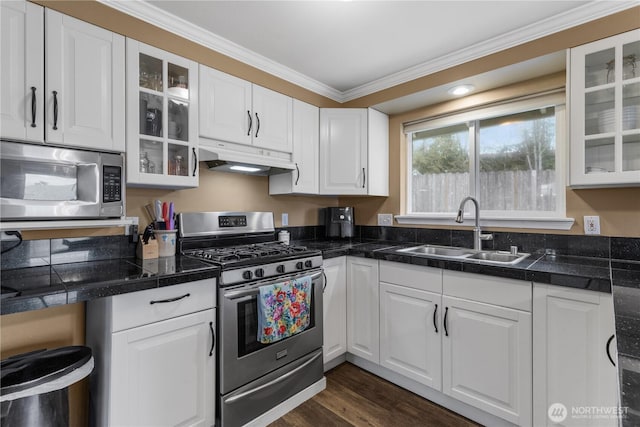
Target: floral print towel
[(283, 309)]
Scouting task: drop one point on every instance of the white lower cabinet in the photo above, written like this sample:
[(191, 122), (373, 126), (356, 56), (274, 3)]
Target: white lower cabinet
[(410, 322), (486, 348), (155, 356), (162, 374), (486, 358), (437, 329), (363, 320), (573, 355), (334, 308), (410, 333)]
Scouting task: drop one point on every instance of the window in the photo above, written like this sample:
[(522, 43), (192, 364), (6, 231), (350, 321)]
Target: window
[(509, 157)]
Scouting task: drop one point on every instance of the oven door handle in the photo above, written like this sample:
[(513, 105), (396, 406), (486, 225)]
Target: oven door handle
[(255, 290), (239, 396)]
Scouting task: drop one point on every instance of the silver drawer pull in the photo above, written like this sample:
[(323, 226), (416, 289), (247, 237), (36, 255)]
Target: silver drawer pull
[(162, 301)]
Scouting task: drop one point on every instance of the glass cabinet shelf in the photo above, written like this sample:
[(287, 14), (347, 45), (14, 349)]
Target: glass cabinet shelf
[(162, 146), (605, 112)]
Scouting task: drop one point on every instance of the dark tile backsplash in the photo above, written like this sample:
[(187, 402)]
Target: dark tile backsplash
[(623, 248), (433, 236), (80, 249), (589, 246), (30, 253), (34, 253)]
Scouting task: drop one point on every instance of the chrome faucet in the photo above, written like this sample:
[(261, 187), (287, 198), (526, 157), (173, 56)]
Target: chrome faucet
[(478, 237)]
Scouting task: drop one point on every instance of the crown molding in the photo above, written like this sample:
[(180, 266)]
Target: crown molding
[(158, 17), (162, 19)]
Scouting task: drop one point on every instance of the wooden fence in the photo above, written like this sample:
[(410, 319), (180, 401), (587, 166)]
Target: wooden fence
[(506, 190)]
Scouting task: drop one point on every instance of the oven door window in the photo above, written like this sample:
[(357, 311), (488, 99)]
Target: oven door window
[(248, 325)]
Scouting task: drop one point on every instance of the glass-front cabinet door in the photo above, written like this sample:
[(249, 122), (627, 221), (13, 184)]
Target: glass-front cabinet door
[(162, 144), (605, 112)]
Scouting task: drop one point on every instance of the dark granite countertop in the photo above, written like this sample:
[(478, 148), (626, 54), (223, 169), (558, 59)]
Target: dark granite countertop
[(562, 270), (33, 288)]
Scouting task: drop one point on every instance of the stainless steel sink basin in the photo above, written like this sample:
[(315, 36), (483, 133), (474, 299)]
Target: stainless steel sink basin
[(438, 251), (498, 257), (489, 257)]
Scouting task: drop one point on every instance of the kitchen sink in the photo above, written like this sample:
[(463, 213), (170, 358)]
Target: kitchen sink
[(453, 252), (438, 251), (498, 257)]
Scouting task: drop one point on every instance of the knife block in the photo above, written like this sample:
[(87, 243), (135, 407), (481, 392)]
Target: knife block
[(148, 250)]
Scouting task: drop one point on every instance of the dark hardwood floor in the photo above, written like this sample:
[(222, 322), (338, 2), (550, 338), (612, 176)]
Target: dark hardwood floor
[(355, 397)]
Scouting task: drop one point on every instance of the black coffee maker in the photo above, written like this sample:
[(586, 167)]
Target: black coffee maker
[(339, 222)]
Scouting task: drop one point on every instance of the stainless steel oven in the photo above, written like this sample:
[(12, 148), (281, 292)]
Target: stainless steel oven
[(255, 377)]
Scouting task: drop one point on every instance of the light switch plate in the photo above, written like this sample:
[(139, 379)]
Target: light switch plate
[(285, 219), (591, 225), (385, 219)]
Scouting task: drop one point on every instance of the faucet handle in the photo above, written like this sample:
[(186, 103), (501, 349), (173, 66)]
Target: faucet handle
[(514, 250), (486, 236)]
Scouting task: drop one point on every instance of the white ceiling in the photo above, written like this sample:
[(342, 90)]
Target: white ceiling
[(348, 49)]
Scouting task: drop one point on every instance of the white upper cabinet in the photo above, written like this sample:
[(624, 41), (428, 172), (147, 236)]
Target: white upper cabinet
[(162, 130), (84, 83), (21, 71), (605, 112), (354, 152), (225, 106), (84, 80), (236, 111), (306, 138)]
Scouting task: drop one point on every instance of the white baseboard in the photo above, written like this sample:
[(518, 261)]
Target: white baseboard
[(288, 405), (335, 362)]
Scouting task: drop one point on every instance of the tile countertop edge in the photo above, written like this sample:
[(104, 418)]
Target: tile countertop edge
[(76, 293)]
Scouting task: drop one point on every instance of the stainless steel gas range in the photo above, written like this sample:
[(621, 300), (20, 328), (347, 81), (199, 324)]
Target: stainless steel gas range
[(255, 374)]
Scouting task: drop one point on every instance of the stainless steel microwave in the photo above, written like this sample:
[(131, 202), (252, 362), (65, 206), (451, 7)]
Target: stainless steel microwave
[(42, 182)]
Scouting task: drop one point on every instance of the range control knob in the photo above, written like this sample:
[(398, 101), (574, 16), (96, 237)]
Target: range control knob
[(259, 272), (308, 263), (247, 275), (299, 265), (280, 268)]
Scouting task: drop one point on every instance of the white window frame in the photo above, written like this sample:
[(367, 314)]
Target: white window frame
[(514, 219)]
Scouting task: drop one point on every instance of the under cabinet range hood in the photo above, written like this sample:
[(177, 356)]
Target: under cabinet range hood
[(237, 158)]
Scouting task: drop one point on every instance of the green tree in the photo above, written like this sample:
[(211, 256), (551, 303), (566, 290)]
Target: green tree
[(444, 154)]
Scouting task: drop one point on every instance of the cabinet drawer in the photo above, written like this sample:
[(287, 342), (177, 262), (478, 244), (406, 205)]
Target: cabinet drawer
[(153, 305), (412, 276), (488, 289)]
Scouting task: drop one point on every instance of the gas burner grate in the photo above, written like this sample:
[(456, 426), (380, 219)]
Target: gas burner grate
[(244, 252)]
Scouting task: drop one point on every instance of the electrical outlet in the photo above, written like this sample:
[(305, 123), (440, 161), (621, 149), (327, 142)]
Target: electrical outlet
[(385, 219), (285, 219), (591, 225)]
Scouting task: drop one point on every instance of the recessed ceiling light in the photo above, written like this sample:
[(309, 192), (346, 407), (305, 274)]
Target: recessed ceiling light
[(461, 90)]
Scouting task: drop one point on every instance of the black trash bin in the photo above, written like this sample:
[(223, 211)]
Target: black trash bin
[(35, 386)]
